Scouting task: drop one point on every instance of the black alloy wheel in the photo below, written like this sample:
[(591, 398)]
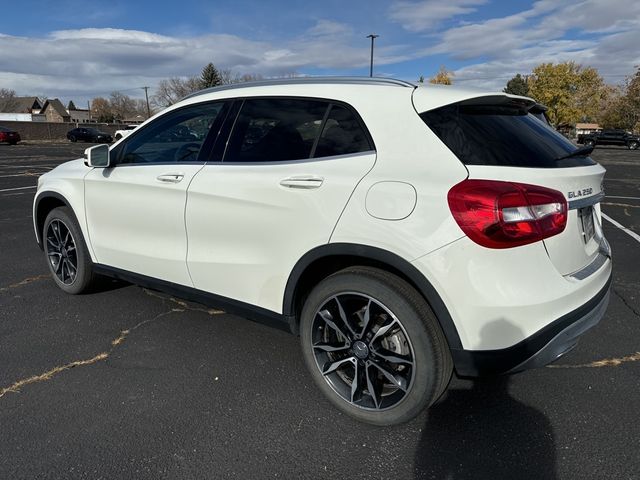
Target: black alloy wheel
[(66, 252), (72, 138), (373, 346), (633, 145), (61, 252), (363, 351)]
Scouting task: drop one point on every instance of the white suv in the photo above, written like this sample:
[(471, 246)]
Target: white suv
[(404, 232)]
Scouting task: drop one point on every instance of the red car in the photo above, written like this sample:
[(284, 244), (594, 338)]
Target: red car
[(9, 136)]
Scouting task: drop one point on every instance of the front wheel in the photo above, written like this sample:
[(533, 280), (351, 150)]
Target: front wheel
[(633, 145), (373, 346), (589, 143), (67, 255)]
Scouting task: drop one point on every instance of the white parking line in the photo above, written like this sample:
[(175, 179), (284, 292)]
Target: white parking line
[(631, 233), (18, 188)]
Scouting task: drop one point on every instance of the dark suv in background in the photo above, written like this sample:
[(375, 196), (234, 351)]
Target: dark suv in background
[(610, 137)]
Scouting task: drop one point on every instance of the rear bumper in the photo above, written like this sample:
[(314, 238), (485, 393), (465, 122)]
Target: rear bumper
[(541, 348)]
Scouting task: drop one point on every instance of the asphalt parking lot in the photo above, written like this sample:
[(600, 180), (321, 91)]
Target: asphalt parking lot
[(130, 383)]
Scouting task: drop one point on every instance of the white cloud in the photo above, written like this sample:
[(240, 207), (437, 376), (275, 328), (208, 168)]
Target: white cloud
[(88, 62), (427, 14)]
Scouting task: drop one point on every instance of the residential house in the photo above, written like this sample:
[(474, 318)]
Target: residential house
[(22, 109), (78, 115), (585, 128), (54, 111)]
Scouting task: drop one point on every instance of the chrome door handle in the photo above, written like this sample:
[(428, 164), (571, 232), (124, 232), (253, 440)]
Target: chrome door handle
[(170, 177), (302, 181)]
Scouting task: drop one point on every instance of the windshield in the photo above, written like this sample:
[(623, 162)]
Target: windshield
[(501, 135)]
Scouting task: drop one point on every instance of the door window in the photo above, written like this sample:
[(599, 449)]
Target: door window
[(342, 134), (177, 137), (275, 130)]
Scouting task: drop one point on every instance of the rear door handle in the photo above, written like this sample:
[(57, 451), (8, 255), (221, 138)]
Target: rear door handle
[(302, 182), (170, 177)]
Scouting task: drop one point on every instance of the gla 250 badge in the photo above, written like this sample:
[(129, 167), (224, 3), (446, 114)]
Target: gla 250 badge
[(580, 193)]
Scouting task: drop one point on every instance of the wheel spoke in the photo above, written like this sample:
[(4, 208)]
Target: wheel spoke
[(356, 383), (397, 380), (366, 317), (327, 347), (328, 319), (383, 330), (53, 243), (343, 317), (55, 226), (394, 358), (371, 387), (333, 366)]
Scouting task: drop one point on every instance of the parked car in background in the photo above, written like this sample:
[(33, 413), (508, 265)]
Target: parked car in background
[(124, 132), (403, 231), (9, 136), (610, 137), (88, 135)]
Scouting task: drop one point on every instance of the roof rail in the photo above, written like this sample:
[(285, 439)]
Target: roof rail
[(307, 80)]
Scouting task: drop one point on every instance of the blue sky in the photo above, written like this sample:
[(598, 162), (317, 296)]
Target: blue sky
[(77, 50)]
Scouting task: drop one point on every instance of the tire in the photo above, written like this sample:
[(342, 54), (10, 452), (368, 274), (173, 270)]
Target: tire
[(72, 139), (66, 251), (400, 354), (633, 145), (118, 137), (590, 143)]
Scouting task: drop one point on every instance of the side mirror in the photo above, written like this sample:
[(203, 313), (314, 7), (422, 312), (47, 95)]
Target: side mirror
[(97, 156)]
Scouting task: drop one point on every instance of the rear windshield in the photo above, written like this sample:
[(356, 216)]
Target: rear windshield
[(501, 135)]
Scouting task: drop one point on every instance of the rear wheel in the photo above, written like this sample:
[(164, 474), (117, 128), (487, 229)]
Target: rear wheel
[(66, 252), (373, 346), (72, 138)]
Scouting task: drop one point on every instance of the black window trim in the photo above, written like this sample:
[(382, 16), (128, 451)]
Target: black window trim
[(330, 102)]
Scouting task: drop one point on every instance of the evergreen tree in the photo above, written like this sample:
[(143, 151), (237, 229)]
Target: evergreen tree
[(517, 86), (210, 77), (71, 106)]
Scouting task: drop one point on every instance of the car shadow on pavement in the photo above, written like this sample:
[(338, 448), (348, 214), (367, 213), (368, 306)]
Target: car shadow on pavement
[(483, 432)]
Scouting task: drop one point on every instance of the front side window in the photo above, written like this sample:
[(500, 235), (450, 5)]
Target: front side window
[(176, 137)]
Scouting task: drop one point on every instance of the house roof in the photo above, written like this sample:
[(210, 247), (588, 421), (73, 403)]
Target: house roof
[(25, 104), (56, 105), (592, 126)]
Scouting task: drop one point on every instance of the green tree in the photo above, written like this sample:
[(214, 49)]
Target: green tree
[(210, 76), (517, 86), (572, 92), (443, 77), (71, 106)]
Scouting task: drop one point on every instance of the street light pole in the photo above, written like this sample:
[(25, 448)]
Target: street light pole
[(372, 37), (147, 97)]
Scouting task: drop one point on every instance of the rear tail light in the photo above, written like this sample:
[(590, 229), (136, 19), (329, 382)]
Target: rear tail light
[(498, 214)]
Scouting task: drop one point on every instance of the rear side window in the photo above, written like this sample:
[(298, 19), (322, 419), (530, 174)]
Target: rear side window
[(288, 129), (342, 134), (501, 136), (275, 130)]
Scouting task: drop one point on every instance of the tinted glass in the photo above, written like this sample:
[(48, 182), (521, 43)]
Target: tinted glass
[(342, 134), (174, 138), (275, 130), (501, 135)]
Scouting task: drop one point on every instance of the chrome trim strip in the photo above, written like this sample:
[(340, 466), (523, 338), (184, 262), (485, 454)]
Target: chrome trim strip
[(307, 80), (586, 202), (591, 268)]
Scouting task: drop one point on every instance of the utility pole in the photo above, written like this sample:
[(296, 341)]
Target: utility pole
[(146, 94), (372, 37)]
